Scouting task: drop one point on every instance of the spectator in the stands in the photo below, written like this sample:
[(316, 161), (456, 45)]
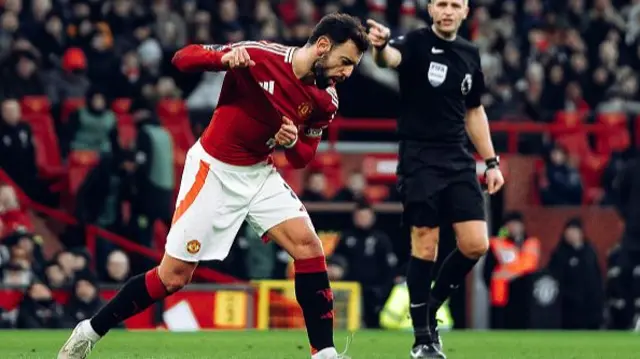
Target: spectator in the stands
[(67, 261), (130, 78), (118, 268), (14, 274), (9, 25), (315, 188), (354, 190), (51, 40), (93, 127), (70, 80), (22, 77), (39, 310), (54, 276), (26, 250), (14, 218), (574, 263), (84, 303), (169, 27), (561, 183), (155, 177), (365, 255), (17, 151)]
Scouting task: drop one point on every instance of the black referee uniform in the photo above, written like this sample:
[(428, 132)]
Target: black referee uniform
[(439, 81)]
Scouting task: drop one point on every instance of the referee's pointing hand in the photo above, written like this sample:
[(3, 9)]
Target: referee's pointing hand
[(378, 34), (495, 180)]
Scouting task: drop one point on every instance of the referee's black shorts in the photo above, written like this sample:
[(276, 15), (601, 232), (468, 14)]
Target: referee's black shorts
[(432, 198)]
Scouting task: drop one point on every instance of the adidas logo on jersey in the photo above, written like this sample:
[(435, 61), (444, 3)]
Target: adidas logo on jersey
[(268, 86)]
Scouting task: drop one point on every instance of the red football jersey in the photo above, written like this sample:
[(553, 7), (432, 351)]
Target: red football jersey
[(253, 101)]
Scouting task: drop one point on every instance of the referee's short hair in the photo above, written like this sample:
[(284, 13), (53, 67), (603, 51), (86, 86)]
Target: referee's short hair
[(466, 2), (341, 28)]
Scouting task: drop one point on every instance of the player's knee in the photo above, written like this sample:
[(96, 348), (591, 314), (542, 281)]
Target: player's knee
[(424, 243), (175, 275), (307, 246), (176, 281), (474, 247)]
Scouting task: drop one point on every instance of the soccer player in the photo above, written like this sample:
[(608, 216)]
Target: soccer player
[(272, 95), (441, 83)]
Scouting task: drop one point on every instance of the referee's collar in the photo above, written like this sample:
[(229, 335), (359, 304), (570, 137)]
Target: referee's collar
[(440, 38)]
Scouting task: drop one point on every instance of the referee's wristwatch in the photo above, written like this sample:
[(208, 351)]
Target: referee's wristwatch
[(491, 163)]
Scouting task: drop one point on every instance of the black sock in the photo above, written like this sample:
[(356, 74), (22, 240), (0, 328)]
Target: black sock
[(138, 294), (419, 285), (453, 272), (316, 300)]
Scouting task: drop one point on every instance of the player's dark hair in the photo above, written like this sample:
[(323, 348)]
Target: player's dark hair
[(341, 28)]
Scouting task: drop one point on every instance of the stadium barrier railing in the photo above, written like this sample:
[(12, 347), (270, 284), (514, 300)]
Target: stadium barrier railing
[(512, 129)]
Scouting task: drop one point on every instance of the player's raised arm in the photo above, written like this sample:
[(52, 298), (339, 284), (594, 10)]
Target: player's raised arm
[(197, 58), (383, 54)]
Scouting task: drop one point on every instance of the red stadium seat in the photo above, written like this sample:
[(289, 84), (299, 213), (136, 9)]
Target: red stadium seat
[(38, 105), (80, 164), (126, 131), (330, 164), (618, 138), (575, 143), (48, 158), (591, 170), (121, 105), (70, 106), (570, 118), (376, 193), (172, 108), (183, 137)]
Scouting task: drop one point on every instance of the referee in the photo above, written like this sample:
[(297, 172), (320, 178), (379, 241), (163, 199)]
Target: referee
[(441, 83)]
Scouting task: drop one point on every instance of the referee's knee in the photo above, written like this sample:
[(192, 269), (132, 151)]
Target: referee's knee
[(474, 247), (424, 243)]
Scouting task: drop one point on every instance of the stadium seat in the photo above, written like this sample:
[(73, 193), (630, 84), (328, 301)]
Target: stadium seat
[(48, 158), (126, 131), (330, 164), (180, 130), (380, 168), (80, 164), (376, 193), (35, 105), (618, 138), (591, 169), (70, 106), (172, 108), (121, 105), (570, 118)]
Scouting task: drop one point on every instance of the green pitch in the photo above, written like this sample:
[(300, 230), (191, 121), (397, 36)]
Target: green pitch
[(293, 345)]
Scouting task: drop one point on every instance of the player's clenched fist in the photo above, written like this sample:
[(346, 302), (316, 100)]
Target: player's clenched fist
[(238, 57), (288, 133), (378, 34)]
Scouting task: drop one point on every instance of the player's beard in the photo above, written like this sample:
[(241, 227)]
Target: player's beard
[(320, 73)]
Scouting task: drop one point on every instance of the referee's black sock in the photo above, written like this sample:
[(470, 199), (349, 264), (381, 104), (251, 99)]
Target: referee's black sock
[(454, 271), (419, 285)]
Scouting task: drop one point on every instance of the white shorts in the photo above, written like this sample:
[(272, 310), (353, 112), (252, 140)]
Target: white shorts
[(215, 198)]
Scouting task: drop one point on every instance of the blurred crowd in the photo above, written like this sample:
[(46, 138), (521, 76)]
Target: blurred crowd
[(539, 57)]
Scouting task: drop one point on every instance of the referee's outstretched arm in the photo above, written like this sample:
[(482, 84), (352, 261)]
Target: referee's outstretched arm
[(384, 56)]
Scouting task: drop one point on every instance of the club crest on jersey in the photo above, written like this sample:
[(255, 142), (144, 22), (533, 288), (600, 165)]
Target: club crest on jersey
[(437, 73), (467, 82), (304, 110)]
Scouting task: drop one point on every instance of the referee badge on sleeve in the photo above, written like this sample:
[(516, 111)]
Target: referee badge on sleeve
[(467, 82), (437, 73)]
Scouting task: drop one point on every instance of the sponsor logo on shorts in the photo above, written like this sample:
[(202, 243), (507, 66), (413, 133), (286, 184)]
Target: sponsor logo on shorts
[(193, 246)]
